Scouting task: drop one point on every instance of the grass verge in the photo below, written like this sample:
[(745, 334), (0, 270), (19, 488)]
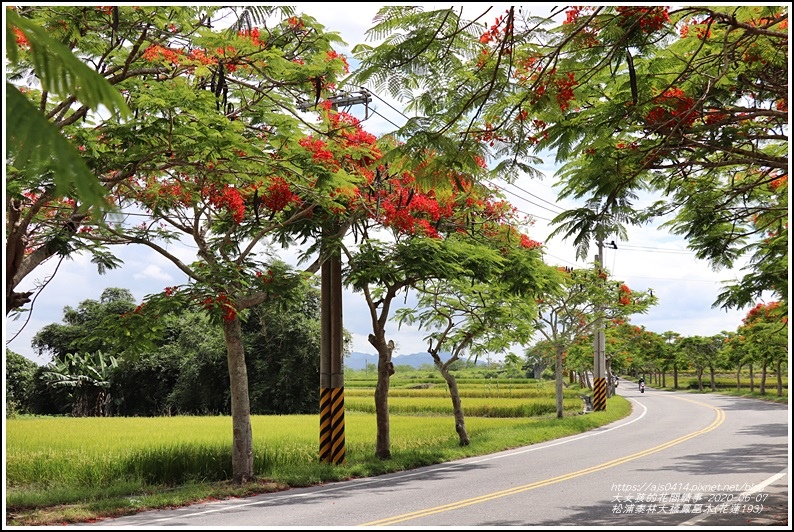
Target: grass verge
[(416, 441)]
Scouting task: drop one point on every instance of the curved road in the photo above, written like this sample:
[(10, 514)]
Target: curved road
[(678, 459)]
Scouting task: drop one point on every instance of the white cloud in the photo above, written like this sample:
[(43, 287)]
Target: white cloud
[(152, 272)]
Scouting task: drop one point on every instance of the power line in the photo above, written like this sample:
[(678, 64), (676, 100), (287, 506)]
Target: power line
[(562, 260), (538, 197), (522, 198), (676, 279), (383, 117), (535, 216), (387, 103), (629, 247)]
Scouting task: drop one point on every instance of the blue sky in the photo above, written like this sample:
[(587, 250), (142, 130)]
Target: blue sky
[(649, 258)]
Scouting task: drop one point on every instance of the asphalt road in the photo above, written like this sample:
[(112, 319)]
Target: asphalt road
[(679, 459)]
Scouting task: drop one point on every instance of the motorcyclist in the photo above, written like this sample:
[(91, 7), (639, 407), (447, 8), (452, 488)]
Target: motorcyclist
[(642, 382)]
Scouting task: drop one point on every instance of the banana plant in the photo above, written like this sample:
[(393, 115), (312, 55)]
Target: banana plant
[(87, 377)]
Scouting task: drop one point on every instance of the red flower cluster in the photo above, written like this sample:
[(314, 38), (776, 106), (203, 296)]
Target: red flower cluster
[(252, 34), (295, 23), (197, 54), (565, 90), (489, 135), (625, 292), (319, 149), (333, 54), (22, 41), (650, 19), (229, 198), (222, 301), (174, 193), (572, 14), (528, 243), (781, 181), (762, 312), (157, 53), (403, 207), (586, 35), (528, 69), (266, 278), (278, 195), (674, 107), (494, 33)]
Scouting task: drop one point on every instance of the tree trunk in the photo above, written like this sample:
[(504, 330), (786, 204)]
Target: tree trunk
[(675, 377), (752, 380), (739, 379), (104, 401), (713, 379), (558, 380), (454, 393), (79, 408), (762, 386), (385, 371), (20, 263), (778, 366), (700, 379), (537, 370), (242, 437)]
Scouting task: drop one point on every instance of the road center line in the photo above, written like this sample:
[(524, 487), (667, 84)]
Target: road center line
[(606, 465)]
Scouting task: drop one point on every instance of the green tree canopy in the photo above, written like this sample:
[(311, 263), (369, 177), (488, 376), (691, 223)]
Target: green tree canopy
[(687, 104), (81, 330)]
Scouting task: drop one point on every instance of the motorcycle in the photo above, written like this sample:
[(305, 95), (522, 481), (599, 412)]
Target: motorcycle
[(642, 387)]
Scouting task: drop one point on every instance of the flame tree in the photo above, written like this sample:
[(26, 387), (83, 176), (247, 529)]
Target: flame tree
[(690, 104), (588, 297), (418, 222), (214, 154), (763, 337)]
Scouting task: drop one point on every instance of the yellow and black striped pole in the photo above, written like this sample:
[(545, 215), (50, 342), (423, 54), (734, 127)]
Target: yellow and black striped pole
[(335, 447), (332, 425), (325, 425), (599, 394)]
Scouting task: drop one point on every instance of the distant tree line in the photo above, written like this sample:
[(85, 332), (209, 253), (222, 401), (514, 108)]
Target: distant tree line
[(184, 370)]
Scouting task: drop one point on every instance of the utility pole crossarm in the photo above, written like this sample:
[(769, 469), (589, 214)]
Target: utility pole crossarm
[(344, 99)]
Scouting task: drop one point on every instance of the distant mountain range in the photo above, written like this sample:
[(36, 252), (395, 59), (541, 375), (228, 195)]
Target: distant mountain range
[(357, 360)]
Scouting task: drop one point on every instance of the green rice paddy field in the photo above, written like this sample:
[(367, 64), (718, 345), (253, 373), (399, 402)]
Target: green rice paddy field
[(62, 469)]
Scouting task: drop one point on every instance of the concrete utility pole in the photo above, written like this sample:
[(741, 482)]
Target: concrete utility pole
[(599, 346), (332, 378)]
